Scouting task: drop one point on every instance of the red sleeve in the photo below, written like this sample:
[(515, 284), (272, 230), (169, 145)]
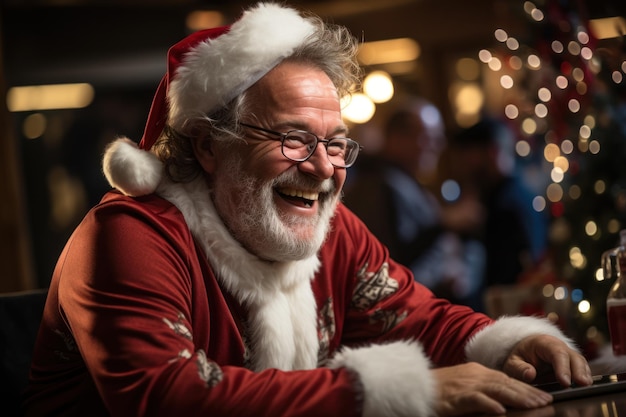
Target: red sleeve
[(127, 287), (386, 303)]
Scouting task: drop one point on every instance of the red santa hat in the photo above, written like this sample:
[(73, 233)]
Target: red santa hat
[(205, 71)]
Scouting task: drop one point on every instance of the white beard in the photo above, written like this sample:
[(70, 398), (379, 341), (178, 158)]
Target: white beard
[(247, 207), (282, 327)]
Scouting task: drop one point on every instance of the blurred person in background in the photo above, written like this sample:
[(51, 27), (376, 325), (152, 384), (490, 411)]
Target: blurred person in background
[(389, 192), (515, 235)]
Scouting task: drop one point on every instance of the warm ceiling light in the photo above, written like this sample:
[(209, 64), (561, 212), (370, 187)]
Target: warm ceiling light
[(608, 27), (469, 98), (378, 86), (357, 108), (50, 97), (387, 51)]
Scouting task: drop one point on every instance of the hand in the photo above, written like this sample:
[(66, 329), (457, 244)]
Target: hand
[(537, 354), (473, 388)]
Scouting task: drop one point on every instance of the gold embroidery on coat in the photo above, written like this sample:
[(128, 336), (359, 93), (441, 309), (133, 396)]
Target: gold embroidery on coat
[(389, 319), (325, 330), (208, 371), (179, 326), (373, 287), (68, 341)]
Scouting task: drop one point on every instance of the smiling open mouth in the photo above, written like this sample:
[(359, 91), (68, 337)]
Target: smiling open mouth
[(298, 197)]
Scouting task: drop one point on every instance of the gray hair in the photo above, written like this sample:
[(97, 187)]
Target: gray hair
[(332, 48)]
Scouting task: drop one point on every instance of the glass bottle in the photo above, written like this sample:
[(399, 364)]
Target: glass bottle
[(614, 265)]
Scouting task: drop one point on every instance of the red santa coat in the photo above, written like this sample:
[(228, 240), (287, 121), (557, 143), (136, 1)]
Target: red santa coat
[(154, 310)]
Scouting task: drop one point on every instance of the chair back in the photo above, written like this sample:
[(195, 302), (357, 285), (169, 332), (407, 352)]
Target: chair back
[(20, 316)]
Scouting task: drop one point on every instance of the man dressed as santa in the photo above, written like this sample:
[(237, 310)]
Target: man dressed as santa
[(223, 276)]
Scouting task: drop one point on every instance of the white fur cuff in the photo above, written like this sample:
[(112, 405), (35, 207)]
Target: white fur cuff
[(492, 345), (396, 378)]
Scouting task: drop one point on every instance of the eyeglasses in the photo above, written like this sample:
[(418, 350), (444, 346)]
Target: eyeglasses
[(299, 145)]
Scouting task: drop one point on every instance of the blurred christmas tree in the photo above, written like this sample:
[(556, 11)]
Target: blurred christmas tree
[(566, 82)]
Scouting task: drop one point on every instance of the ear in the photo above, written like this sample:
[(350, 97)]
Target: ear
[(204, 152)]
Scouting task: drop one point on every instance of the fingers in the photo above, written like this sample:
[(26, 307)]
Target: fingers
[(476, 402), (581, 373), (471, 388), (560, 361), (495, 398), (567, 365), (516, 394), (518, 368)]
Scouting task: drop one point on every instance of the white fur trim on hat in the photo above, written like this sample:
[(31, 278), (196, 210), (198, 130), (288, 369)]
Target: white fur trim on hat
[(491, 345), (131, 170), (396, 378), (217, 70)]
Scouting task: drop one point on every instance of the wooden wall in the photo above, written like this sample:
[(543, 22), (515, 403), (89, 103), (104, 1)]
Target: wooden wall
[(16, 268)]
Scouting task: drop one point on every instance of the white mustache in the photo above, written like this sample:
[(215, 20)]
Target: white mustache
[(297, 181)]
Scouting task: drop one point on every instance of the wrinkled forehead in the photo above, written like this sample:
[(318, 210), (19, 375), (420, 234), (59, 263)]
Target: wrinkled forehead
[(295, 90)]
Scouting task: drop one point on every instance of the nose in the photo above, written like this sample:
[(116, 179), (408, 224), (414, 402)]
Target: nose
[(318, 165)]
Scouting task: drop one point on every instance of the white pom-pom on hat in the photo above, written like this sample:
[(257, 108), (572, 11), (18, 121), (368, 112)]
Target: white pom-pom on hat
[(131, 170)]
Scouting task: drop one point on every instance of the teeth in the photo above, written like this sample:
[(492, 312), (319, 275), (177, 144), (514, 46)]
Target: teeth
[(299, 193)]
